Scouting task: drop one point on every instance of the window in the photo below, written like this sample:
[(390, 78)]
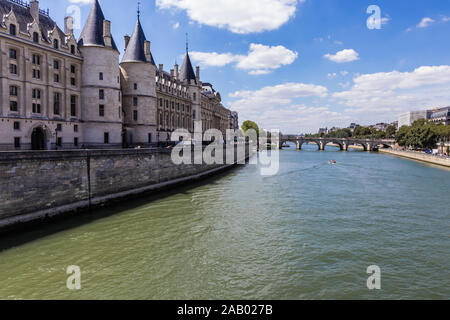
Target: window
[(13, 106), (59, 142), (73, 106), (73, 82), (135, 102), (36, 74), (101, 110), (119, 96), (12, 29), (194, 115), (135, 86), (56, 64), (73, 69), (13, 68), (36, 108), (36, 94), (56, 77), (160, 102), (135, 115), (149, 138), (16, 125), (56, 103), (13, 54), (106, 137), (35, 37), (36, 59), (13, 91), (17, 142), (75, 142), (59, 127), (101, 94), (100, 76), (55, 44), (195, 96), (75, 128), (72, 49)]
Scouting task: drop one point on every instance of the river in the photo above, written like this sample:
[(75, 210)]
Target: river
[(309, 232)]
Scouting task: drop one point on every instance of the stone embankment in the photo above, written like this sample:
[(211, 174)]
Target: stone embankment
[(418, 156)]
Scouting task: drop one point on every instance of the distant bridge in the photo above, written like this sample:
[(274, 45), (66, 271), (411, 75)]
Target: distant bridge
[(344, 143)]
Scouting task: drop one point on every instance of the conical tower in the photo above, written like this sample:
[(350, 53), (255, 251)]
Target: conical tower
[(100, 94), (138, 84)]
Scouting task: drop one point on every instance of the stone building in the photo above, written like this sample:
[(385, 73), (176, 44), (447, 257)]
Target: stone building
[(60, 93)]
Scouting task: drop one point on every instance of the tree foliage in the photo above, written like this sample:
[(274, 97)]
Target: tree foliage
[(422, 135), (247, 125)]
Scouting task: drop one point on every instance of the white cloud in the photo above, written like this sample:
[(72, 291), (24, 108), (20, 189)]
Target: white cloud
[(260, 59), (344, 73), (332, 75), (176, 26), (242, 17), (426, 22), (394, 92), (346, 55)]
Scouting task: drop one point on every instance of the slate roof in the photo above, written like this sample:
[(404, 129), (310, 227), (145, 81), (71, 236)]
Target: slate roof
[(135, 50), (187, 72), (93, 29), (24, 18)]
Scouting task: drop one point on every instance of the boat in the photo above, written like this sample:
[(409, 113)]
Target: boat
[(333, 162)]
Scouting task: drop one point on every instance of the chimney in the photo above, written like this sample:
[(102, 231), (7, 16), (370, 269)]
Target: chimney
[(197, 75), (34, 10), (172, 73), (127, 41), (161, 68), (107, 33), (147, 51), (176, 71), (68, 25)]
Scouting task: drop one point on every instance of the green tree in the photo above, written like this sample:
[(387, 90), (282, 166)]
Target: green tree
[(248, 125), (390, 132)]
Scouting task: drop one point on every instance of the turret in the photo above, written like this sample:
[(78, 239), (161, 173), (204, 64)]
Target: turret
[(101, 95), (138, 84)]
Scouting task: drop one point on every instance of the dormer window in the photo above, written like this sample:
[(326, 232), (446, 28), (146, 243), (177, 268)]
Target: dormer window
[(55, 44), (36, 37), (12, 29), (72, 49)]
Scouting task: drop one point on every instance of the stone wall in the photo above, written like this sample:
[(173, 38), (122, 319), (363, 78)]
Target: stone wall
[(35, 185), (419, 157)]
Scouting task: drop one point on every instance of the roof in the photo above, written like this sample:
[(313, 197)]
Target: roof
[(135, 50), (24, 18), (187, 72), (93, 29)]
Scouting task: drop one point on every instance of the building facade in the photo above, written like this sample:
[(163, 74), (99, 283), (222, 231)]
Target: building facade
[(407, 119), (58, 92)]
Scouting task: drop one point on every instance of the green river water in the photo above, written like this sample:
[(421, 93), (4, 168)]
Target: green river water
[(309, 232)]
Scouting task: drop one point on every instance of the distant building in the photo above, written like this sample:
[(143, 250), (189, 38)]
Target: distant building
[(441, 116), (381, 126), (353, 126), (323, 130), (407, 119), (234, 120)]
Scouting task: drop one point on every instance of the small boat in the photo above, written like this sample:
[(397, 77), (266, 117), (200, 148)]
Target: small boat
[(333, 162)]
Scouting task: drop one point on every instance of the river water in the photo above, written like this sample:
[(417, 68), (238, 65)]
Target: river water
[(309, 232)]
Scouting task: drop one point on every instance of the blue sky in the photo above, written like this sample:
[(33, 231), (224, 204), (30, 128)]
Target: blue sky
[(297, 65)]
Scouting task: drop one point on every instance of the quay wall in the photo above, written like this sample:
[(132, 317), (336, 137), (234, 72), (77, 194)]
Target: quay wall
[(418, 157), (37, 185)]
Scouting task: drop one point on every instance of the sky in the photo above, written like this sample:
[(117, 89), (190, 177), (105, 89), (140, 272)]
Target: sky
[(298, 65)]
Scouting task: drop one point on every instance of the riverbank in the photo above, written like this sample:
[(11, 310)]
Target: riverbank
[(36, 186), (445, 162)]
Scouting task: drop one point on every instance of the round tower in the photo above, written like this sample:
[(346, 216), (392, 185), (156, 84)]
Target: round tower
[(101, 105), (138, 82)]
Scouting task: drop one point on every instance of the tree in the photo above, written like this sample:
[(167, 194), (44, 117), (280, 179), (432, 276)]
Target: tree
[(390, 132), (248, 125)]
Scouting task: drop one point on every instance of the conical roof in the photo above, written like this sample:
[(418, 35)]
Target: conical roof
[(187, 72), (93, 29), (135, 50)]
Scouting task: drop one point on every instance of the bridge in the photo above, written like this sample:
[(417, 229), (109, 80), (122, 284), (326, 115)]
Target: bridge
[(344, 143)]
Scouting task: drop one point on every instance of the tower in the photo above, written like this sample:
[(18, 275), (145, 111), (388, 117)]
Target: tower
[(192, 80), (138, 75), (100, 82)]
